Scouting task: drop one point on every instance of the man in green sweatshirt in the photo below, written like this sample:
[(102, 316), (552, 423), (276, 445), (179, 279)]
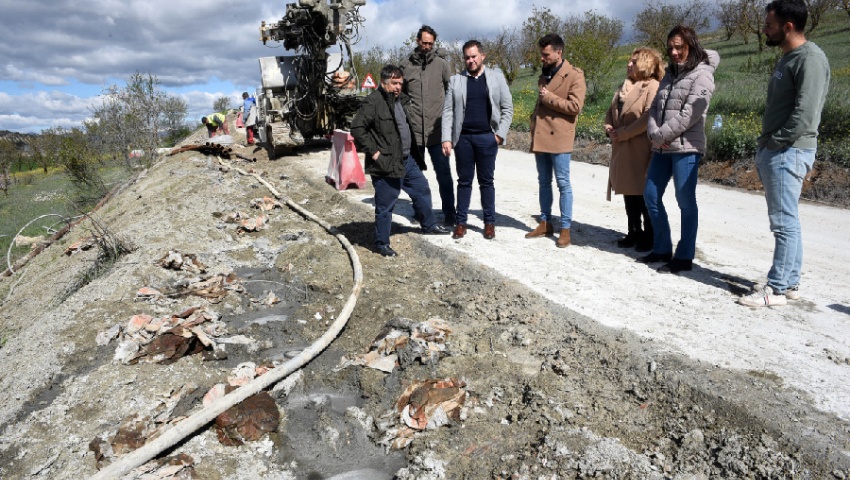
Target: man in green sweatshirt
[(786, 148)]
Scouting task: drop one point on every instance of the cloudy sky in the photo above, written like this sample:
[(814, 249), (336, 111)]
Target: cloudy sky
[(57, 56)]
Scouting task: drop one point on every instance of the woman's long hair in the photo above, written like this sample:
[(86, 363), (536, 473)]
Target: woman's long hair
[(696, 54)]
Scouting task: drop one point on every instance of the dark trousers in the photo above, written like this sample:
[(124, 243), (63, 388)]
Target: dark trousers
[(443, 170), (635, 210), (476, 154), (387, 189)]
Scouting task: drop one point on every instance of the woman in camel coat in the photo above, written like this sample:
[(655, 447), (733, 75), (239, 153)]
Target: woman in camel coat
[(625, 125)]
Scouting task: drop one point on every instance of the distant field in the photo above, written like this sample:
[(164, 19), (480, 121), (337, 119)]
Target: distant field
[(741, 88), (35, 194)]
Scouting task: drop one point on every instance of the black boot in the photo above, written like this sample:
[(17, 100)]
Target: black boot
[(645, 242), (647, 238), (633, 215), (629, 241)]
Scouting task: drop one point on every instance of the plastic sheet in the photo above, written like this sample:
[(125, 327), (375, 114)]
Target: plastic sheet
[(344, 169)]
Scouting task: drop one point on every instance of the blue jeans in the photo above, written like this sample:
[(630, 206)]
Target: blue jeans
[(782, 173), (444, 179), (476, 153), (387, 190), (683, 168), (560, 164)]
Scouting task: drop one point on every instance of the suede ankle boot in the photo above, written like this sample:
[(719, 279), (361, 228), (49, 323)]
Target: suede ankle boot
[(563, 238), (544, 228)]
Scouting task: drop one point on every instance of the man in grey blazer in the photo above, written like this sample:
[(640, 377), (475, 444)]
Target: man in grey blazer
[(476, 117)]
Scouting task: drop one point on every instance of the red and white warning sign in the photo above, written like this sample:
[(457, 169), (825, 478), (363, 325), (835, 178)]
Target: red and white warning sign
[(369, 82)]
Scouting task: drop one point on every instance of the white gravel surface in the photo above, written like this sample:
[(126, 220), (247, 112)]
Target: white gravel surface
[(806, 343)]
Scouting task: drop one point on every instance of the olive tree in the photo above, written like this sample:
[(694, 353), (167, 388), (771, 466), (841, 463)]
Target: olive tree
[(82, 161), (654, 22), (8, 154), (752, 20), (173, 113), (817, 9), (45, 147), (503, 50), (729, 15), (541, 22), (221, 104), (133, 117), (589, 44), (369, 62)]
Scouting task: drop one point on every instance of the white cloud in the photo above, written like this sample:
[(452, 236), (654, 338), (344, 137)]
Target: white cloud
[(201, 44), (11, 72)]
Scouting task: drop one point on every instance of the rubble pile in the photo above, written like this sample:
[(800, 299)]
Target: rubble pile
[(165, 339), (250, 419), (137, 429), (428, 404), (266, 204), (404, 341), (82, 245), (174, 260)]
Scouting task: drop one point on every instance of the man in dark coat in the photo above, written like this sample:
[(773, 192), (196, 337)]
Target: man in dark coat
[(426, 77), (382, 132)]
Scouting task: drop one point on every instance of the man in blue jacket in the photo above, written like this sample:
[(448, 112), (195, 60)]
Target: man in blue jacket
[(476, 117), (249, 115), (381, 130)]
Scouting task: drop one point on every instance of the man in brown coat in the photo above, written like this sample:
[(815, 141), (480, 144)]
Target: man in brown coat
[(553, 130)]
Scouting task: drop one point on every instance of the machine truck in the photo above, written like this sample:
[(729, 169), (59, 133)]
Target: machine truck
[(311, 92)]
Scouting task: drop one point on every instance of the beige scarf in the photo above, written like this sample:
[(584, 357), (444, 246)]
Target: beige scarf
[(626, 88)]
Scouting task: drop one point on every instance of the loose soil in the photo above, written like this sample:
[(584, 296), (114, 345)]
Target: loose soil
[(551, 393)]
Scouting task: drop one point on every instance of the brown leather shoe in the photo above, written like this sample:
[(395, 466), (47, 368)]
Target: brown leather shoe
[(489, 231), (460, 231), (543, 228), (563, 238)]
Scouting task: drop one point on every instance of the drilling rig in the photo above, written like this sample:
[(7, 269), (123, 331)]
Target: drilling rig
[(313, 91)]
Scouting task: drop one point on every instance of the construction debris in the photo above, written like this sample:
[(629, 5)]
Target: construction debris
[(251, 419), (23, 240), (271, 299), (210, 287), (246, 223), (253, 224), (215, 149), (213, 288), (147, 293), (82, 245), (248, 420), (235, 217), (427, 404), (266, 204), (401, 343), (165, 339), (137, 429), (175, 467), (189, 262)]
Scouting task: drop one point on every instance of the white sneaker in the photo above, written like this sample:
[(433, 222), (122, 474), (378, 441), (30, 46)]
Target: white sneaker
[(763, 298), (793, 293)]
